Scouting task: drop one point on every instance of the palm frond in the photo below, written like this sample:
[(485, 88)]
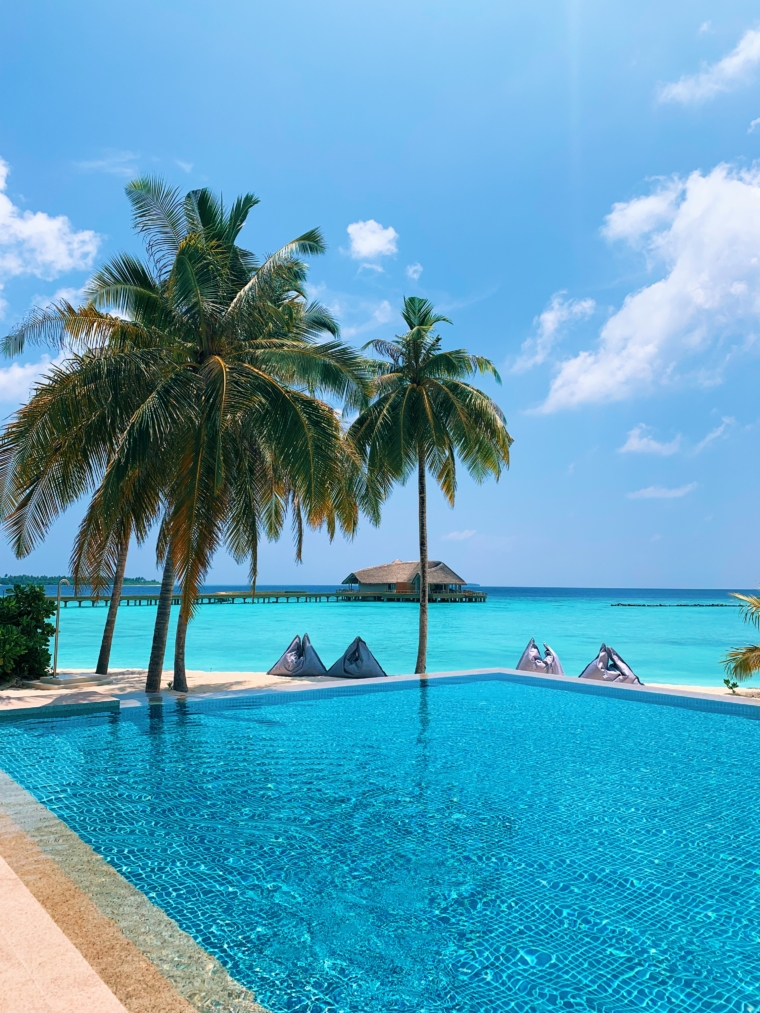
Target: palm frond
[(750, 609), (742, 662), (158, 213)]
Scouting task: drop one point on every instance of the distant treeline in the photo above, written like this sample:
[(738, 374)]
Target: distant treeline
[(28, 578)]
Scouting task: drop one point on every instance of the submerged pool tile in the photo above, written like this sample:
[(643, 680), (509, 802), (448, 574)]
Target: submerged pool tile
[(471, 847)]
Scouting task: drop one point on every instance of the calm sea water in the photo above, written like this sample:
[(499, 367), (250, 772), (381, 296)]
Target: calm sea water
[(668, 644), (476, 847)]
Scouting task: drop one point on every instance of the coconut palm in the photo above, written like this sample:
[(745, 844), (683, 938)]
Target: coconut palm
[(422, 417), (221, 361), (742, 662), (50, 454)]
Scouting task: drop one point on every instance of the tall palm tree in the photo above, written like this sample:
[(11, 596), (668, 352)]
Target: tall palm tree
[(742, 662), (422, 417), (115, 566), (221, 360)]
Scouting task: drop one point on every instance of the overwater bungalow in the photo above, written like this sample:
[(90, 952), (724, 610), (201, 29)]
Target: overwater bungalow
[(404, 578)]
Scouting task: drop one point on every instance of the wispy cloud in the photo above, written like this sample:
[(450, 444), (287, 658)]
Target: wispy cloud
[(70, 294), (184, 166), (414, 271), (116, 163), (753, 124), (382, 313), (661, 492), (731, 72), (370, 240), (715, 434), (548, 327), (703, 235), (459, 536), (38, 244), (17, 380), (639, 442)]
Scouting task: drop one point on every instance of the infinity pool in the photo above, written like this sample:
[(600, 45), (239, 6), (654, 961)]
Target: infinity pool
[(471, 846)]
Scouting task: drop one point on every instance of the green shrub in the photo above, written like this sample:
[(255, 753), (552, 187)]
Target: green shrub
[(25, 632), (12, 646)]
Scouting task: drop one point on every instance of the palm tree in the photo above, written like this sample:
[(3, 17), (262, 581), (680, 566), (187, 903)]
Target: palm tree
[(742, 662), (221, 361), (50, 453), (422, 417)]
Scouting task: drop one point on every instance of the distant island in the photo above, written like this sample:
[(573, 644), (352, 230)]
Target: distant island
[(27, 578)]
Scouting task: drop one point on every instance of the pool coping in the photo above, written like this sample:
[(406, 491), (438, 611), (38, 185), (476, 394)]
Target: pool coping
[(675, 696), (747, 707)]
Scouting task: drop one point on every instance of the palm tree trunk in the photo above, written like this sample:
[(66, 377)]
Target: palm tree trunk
[(161, 629), (113, 607), (422, 502), (180, 678)]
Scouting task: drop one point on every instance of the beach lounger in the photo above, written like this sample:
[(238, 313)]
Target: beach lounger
[(608, 666), (357, 662), (531, 660), (300, 659)]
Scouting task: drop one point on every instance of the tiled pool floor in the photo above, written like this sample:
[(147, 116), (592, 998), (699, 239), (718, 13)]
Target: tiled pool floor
[(473, 846)]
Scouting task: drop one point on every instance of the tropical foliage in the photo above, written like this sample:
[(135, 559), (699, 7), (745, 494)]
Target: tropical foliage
[(25, 632), (192, 398), (742, 662), (423, 416)]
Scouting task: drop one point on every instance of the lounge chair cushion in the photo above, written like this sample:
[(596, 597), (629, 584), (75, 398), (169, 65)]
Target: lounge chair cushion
[(300, 659), (357, 662)]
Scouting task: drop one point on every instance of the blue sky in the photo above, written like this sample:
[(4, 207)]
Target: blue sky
[(575, 184)]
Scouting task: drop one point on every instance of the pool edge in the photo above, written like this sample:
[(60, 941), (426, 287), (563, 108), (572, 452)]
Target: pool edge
[(115, 926)]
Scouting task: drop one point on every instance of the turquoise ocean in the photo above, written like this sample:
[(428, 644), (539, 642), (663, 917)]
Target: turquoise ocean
[(670, 636)]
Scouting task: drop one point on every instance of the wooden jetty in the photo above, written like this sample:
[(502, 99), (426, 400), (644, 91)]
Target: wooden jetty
[(265, 597)]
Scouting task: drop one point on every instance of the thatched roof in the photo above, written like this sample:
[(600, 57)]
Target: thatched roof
[(399, 572)]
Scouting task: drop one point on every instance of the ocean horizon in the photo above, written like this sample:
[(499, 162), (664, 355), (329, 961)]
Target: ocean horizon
[(667, 635)]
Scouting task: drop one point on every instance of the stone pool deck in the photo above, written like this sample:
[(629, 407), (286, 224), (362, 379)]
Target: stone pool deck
[(75, 936)]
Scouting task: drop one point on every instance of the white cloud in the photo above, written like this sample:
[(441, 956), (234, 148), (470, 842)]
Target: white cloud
[(17, 380), (459, 536), (705, 27), (704, 234), (384, 312), (639, 442), (414, 271), (116, 163), (548, 326), (369, 240), (184, 166), (660, 492), (636, 221), (732, 71), (715, 434), (753, 124), (72, 295), (34, 243)]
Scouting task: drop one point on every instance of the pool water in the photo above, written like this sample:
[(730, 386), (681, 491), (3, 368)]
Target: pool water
[(469, 845), (671, 643)]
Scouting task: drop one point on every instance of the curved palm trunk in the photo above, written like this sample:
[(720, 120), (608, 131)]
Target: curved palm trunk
[(422, 502), (113, 607), (161, 629), (180, 678)]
